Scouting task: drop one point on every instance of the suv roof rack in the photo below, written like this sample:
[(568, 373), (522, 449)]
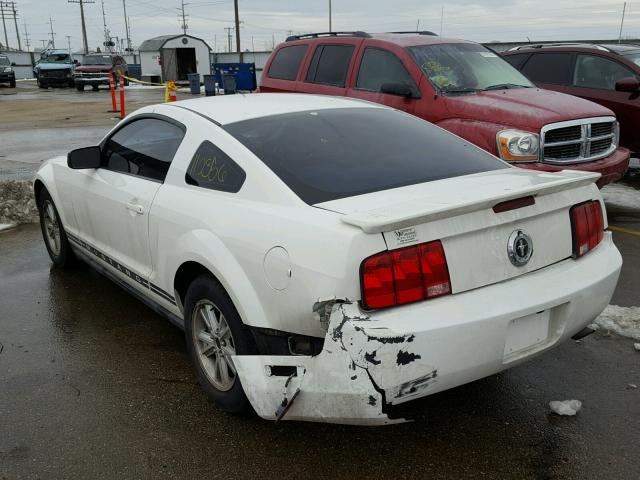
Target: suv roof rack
[(567, 44), (421, 32), (357, 33)]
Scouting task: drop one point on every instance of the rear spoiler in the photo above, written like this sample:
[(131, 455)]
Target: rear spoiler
[(414, 212)]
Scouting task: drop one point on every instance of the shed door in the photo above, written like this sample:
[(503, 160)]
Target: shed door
[(169, 64)]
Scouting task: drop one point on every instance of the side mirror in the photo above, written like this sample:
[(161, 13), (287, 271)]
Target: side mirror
[(13, 64), (628, 84), (399, 89), (87, 157)]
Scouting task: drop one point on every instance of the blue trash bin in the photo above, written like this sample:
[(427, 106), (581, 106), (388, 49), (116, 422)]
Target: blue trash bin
[(194, 83)]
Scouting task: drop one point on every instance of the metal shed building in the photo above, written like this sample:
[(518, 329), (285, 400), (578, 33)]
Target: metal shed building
[(172, 57)]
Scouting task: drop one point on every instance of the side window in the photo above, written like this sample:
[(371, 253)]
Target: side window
[(212, 168), (598, 72), (286, 63), (330, 64), (381, 66), (549, 68), (143, 147), (517, 60)]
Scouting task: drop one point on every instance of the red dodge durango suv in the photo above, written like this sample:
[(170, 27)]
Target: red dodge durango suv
[(460, 86)]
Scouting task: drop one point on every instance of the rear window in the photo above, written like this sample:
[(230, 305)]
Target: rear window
[(328, 154), (286, 63), (330, 64)]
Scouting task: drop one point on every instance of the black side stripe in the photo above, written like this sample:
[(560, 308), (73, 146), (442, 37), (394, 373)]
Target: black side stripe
[(121, 268)]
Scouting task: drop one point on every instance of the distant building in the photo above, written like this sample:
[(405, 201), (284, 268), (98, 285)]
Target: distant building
[(172, 57)]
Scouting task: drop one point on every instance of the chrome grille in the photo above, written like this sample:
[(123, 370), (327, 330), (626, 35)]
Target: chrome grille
[(580, 140), (54, 73)]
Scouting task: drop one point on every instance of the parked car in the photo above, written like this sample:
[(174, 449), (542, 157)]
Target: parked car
[(55, 67), (605, 74), (95, 69), (458, 85), (7, 75), (323, 246)]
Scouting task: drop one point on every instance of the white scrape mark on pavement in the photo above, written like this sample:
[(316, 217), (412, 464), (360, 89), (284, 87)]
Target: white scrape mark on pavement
[(622, 320), (5, 226), (565, 407)]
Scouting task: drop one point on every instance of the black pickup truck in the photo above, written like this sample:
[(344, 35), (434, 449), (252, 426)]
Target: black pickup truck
[(7, 75)]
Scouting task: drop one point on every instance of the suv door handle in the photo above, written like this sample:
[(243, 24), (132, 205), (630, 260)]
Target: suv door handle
[(134, 207)]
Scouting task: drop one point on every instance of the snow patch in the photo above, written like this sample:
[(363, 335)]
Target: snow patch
[(620, 195), (565, 407), (624, 321), (5, 226), (636, 346), (17, 202)]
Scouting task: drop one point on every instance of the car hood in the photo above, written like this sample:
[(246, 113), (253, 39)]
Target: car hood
[(53, 66), (529, 108), (93, 68)]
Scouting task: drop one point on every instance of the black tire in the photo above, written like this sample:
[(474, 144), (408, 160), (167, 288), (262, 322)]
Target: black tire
[(202, 291), (80, 87), (12, 83), (95, 88), (42, 84), (71, 83), (62, 256)]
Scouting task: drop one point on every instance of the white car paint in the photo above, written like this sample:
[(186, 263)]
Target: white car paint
[(292, 267)]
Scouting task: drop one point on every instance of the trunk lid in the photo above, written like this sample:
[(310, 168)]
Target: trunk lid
[(459, 212)]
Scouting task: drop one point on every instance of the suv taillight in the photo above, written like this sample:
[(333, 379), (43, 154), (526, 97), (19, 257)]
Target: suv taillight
[(587, 226), (405, 275)]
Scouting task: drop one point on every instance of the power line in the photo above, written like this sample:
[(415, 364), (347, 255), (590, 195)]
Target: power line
[(4, 26), (53, 35), (84, 28), (8, 11)]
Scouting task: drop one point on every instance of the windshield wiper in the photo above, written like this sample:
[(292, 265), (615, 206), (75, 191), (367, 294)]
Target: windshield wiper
[(505, 86), (460, 90)]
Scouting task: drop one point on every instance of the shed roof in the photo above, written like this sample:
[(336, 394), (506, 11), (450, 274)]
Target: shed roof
[(156, 43)]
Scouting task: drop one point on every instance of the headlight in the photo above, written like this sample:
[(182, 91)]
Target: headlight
[(7, 69), (518, 146)]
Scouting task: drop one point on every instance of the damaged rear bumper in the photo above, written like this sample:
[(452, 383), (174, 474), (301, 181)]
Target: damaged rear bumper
[(388, 357)]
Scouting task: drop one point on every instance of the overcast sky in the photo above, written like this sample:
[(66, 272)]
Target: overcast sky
[(265, 21)]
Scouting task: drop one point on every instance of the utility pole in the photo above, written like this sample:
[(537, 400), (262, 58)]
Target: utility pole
[(441, 19), (235, 7), (107, 34), (4, 26), (229, 30), (126, 25), (15, 22), (84, 28), (53, 35), (26, 36), (330, 16), (624, 8), (183, 23), (69, 46)]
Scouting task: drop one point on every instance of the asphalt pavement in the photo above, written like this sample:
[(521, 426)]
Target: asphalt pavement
[(93, 384)]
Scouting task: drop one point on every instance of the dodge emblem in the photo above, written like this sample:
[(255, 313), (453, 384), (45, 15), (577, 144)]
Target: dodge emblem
[(519, 248)]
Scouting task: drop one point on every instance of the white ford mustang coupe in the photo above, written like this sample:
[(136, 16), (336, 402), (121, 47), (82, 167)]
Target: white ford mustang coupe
[(330, 258)]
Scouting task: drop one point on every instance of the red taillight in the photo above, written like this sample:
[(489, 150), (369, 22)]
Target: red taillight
[(405, 275), (587, 225)]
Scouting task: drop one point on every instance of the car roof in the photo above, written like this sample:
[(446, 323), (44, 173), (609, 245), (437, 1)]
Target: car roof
[(403, 39), (602, 47), (226, 109)]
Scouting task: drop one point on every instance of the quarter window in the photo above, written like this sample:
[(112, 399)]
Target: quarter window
[(143, 147), (286, 63), (330, 64), (598, 72), (213, 169), (551, 68), (516, 60), (381, 66)]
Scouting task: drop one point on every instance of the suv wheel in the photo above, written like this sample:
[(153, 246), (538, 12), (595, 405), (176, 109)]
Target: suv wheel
[(214, 332), (41, 84), (80, 87), (12, 82)]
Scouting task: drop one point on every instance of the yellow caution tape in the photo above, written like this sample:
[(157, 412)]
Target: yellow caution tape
[(135, 80)]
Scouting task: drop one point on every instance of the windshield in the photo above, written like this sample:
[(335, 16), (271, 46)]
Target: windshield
[(97, 60), (328, 154), (4, 61), (55, 58), (464, 67), (634, 57)]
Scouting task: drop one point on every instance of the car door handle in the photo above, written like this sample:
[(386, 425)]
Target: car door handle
[(134, 207)]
